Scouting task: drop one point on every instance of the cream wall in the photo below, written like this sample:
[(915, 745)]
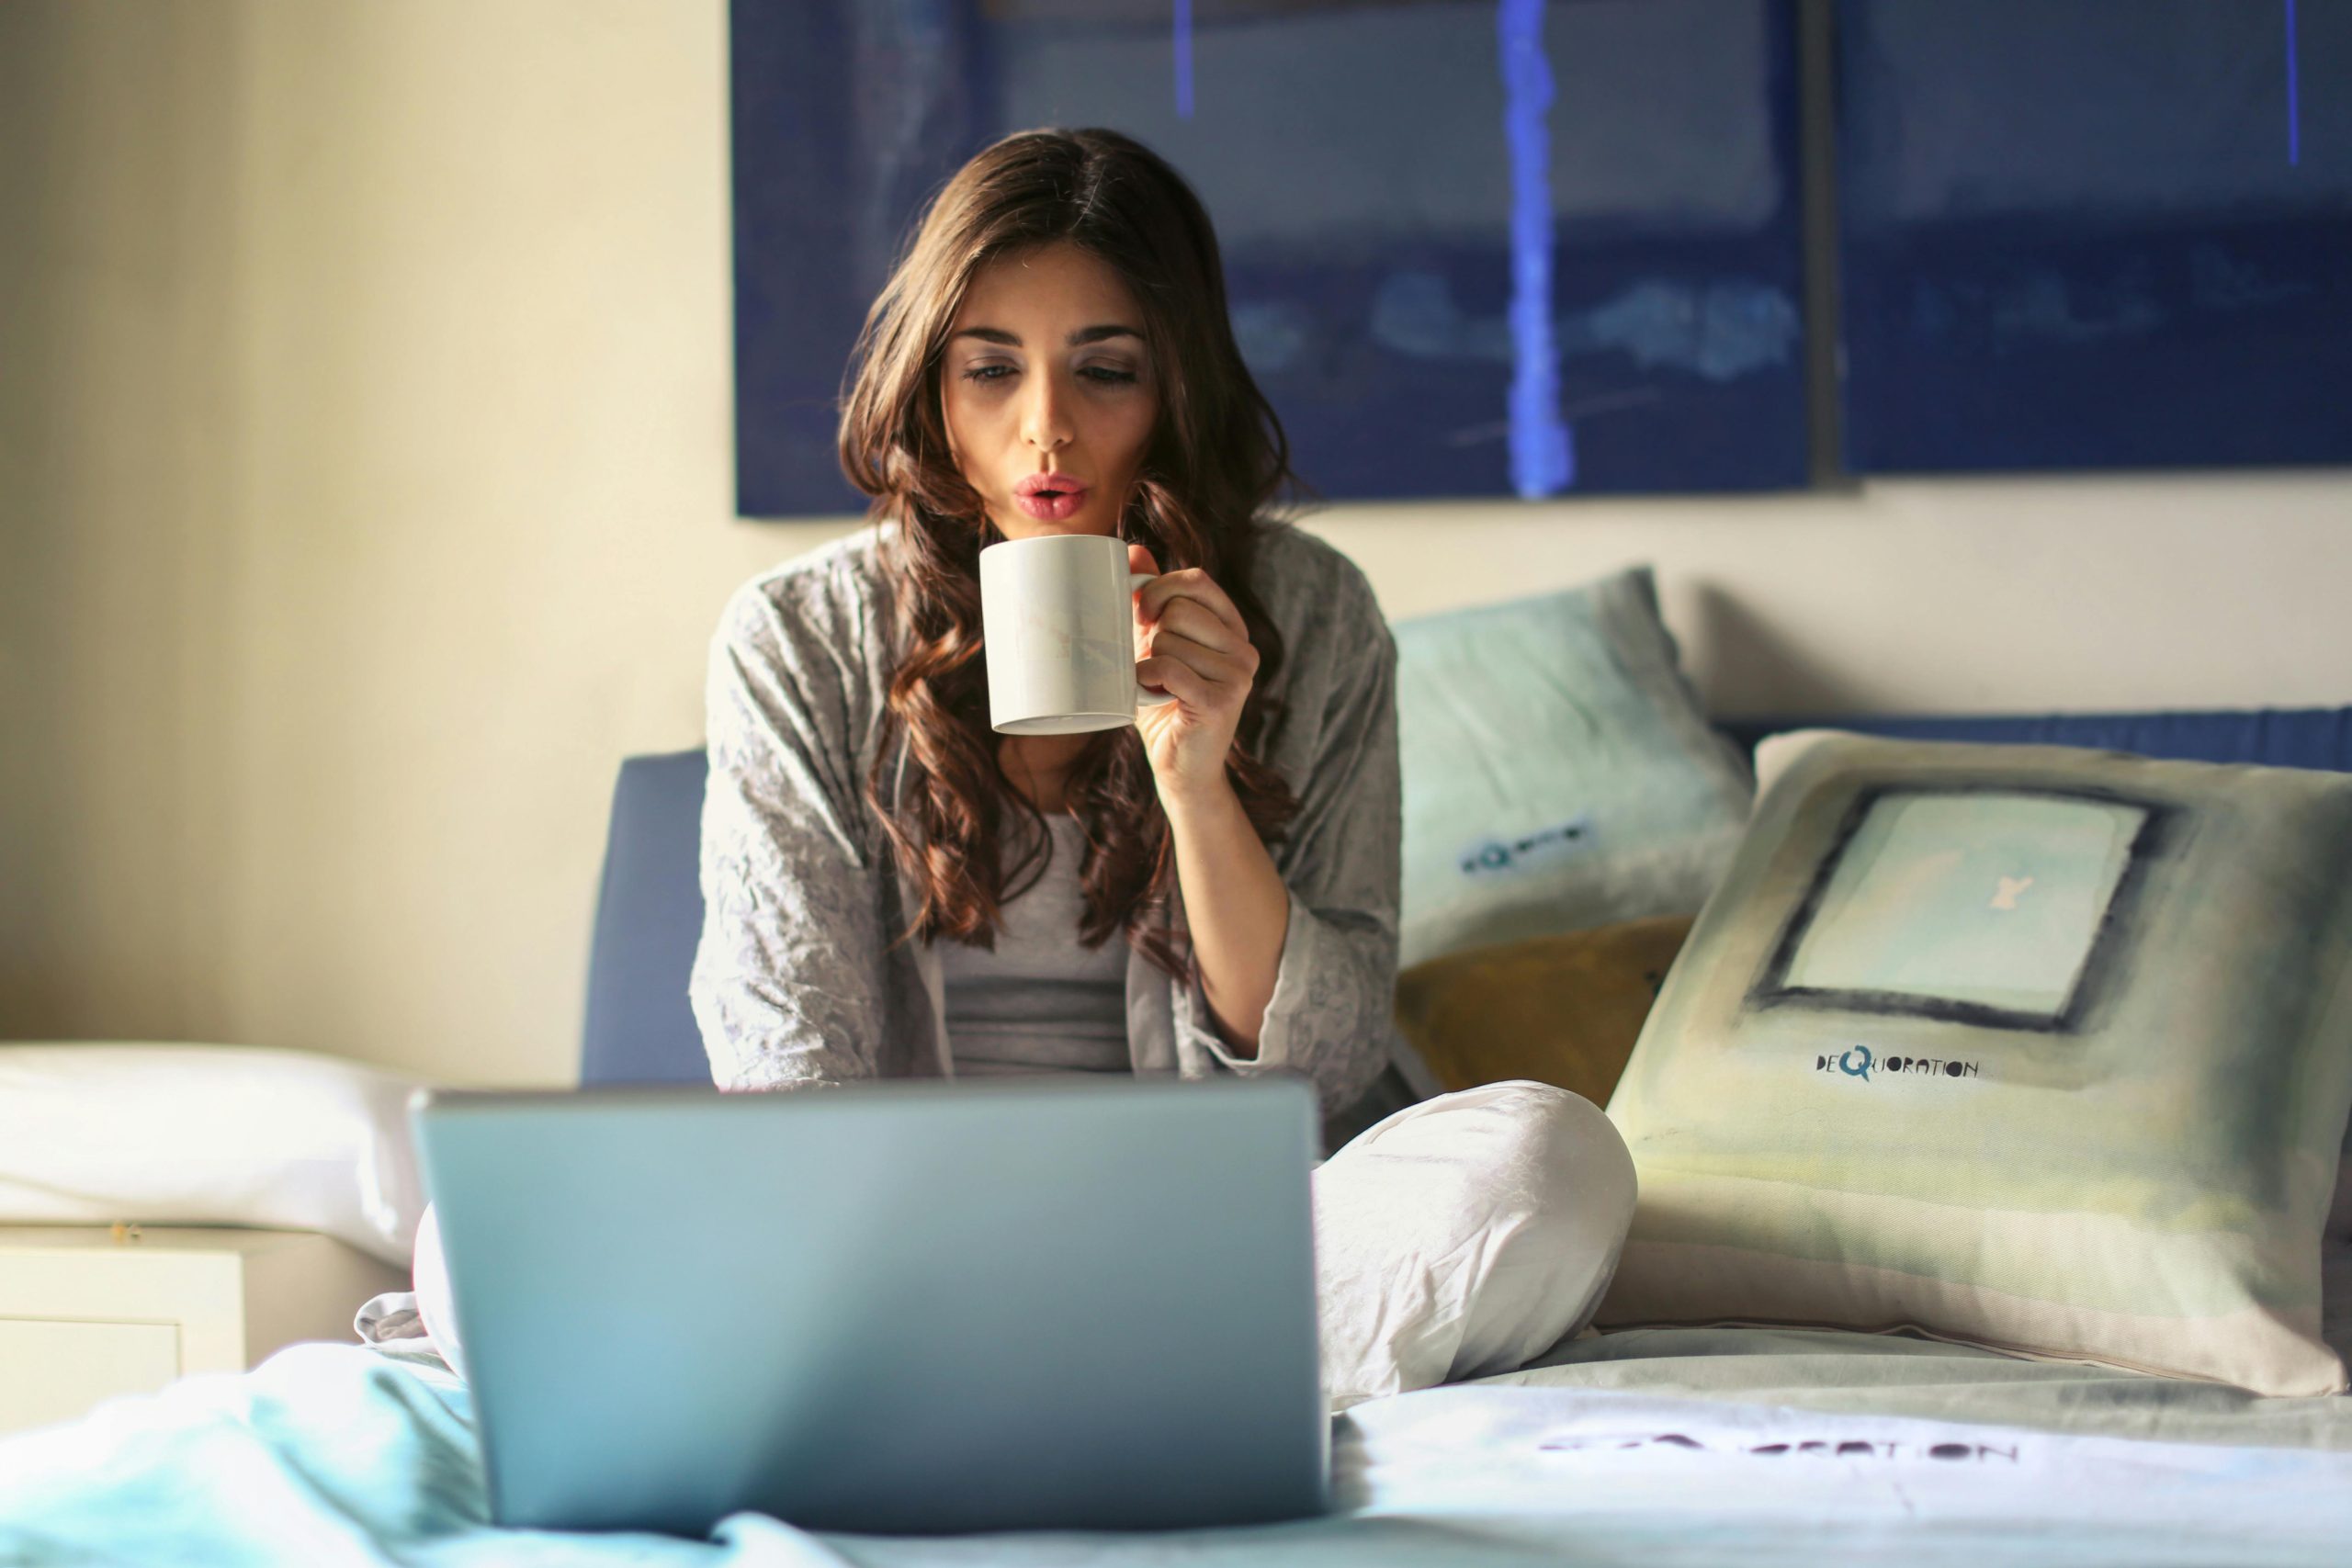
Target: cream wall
[(365, 465)]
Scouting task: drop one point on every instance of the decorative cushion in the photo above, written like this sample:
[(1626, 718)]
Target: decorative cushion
[(1562, 1009), (1558, 771), (2039, 1048), (208, 1135)]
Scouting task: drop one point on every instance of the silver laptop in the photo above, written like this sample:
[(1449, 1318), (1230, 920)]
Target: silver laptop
[(899, 1307)]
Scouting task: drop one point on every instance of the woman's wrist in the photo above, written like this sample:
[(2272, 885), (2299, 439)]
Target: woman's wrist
[(1198, 802), (1236, 906)]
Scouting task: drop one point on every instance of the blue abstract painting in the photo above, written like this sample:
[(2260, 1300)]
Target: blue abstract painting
[(2080, 234), (1473, 247)]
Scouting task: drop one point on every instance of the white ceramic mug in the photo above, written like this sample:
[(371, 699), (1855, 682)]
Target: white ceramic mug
[(1059, 627)]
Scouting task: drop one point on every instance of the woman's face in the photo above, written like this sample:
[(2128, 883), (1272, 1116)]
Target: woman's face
[(1047, 390)]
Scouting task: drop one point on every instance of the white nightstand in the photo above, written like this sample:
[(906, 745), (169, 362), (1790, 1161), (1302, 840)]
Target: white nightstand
[(87, 1312)]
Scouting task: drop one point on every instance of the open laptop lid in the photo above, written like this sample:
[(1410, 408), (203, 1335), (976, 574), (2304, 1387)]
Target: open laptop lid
[(892, 1307)]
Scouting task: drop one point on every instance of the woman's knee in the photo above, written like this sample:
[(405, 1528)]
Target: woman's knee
[(1467, 1234), (1520, 1135), (1560, 1187), (1579, 1150)]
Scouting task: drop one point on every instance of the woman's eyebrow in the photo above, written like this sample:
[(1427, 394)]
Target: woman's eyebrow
[(1082, 336)]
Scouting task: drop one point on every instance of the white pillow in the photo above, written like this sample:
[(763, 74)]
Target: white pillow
[(208, 1134)]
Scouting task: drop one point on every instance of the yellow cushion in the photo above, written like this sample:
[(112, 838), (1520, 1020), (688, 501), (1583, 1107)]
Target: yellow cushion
[(1561, 1010)]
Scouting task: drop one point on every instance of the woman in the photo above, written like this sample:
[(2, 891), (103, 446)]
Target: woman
[(892, 889)]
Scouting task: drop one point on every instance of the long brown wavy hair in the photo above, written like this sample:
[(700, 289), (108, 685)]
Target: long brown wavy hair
[(1215, 462)]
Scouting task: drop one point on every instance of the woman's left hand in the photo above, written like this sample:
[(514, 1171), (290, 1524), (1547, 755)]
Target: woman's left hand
[(1192, 643)]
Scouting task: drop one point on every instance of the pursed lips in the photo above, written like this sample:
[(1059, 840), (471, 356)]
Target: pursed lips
[(1049, 496)]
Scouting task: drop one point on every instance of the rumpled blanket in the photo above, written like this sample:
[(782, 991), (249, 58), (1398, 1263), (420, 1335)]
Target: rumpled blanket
[(334, 1455)]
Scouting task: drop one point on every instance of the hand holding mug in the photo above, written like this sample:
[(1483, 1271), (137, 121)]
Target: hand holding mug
[(1085, 632), (1196, 648)]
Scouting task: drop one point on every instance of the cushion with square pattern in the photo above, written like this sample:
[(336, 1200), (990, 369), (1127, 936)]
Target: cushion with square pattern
[(2040, 1048)]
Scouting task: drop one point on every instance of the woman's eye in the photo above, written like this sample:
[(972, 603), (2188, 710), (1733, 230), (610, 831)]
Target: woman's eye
[(1108, 375), (987, 372)]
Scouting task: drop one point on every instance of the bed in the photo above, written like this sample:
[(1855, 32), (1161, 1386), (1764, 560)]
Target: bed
[(1754, 1446)]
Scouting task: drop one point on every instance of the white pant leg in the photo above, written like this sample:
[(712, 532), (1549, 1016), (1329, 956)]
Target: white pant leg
[(1465, 1235), (431, 1277)]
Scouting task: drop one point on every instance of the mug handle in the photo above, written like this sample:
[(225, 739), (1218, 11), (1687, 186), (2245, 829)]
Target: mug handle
[(1145, 696)]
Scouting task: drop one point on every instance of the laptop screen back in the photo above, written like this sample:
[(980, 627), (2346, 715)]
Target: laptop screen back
[(897, 1307)]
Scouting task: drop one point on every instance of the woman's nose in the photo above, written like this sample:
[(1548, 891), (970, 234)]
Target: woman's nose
[(1045, 421)]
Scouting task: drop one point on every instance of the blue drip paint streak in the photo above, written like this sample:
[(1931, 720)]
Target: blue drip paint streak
[(1183, 59), (1543, 457), (2295, 106)]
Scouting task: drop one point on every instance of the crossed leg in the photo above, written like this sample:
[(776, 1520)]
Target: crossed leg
[(1465, 1235)]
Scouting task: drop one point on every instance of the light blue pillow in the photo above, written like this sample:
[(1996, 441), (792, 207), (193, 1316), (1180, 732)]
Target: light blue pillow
[(1558, 771)]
